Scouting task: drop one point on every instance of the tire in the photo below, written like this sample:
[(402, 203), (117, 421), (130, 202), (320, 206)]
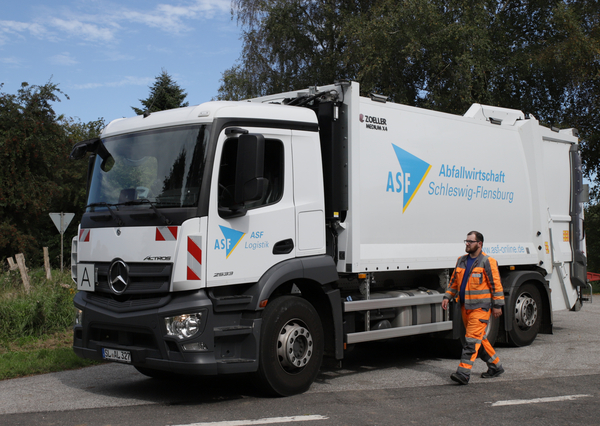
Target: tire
[(291, 346), (527, 310)]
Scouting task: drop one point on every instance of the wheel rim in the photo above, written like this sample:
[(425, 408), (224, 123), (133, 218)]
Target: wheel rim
[(294, 346), (526, 311)]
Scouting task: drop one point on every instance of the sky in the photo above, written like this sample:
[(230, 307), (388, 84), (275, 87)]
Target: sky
[(105, 54)]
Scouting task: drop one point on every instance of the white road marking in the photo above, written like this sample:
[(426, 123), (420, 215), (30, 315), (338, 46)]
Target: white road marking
[(266, 421), (538, 400)]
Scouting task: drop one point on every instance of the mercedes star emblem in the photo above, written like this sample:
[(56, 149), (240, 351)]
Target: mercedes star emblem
[(118, 276)]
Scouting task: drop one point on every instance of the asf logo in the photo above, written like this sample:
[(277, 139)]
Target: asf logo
[(231, 239), (408, 180)]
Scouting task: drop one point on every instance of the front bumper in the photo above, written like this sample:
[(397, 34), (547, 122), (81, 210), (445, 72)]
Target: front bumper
[(230, 338)]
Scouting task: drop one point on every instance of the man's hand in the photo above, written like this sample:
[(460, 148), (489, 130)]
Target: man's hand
[(445, 304), (496, 312)]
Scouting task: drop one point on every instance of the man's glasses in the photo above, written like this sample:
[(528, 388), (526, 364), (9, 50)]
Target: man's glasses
[(470, 242)]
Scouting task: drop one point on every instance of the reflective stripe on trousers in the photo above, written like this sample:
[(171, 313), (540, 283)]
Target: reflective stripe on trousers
[(476, 323)]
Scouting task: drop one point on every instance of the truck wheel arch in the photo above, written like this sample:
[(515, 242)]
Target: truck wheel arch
[(320, 269), (313, 277)]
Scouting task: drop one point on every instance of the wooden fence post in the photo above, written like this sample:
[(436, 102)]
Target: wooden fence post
[(11, 263), (21, 263), (47, 264)]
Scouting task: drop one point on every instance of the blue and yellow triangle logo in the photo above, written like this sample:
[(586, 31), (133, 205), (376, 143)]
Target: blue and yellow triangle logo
[(232, 237), (414, 170)]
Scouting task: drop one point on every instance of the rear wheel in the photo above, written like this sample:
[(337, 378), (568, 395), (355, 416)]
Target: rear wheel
[(291, 346), (492, 331), (527, 311)]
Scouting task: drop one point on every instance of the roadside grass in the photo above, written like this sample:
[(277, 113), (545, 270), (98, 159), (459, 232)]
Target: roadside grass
[(39, 355), (35, 327)]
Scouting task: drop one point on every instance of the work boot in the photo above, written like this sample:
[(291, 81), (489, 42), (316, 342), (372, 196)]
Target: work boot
[(459, 378), (492, 372)]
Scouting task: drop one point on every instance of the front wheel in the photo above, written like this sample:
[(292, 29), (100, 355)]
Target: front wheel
[(527, 315), (291, 346)]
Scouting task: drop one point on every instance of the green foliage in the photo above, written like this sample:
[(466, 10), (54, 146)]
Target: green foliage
[(165, 94), (47, 308), (592, 237), (36, 328), (37, 176), (31, 145), (71, 195), (41, 361), (287, 45)]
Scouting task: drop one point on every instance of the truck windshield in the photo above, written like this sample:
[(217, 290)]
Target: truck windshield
[(163, 168)]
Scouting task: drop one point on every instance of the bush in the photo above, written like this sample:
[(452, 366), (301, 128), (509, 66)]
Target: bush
[(48, 308)]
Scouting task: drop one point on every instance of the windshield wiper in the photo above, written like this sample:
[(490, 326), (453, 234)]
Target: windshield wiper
[(165, 220), (112, 213)]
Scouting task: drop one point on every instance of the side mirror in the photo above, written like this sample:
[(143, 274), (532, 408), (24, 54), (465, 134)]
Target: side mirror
[(78, 152), (250, 184), (81, 148), (96, 147)]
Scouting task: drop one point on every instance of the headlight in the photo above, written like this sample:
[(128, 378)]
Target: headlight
[(78, 316), (183, 326)]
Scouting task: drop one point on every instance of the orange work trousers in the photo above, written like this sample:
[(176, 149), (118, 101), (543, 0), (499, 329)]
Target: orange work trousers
[(476, 343)]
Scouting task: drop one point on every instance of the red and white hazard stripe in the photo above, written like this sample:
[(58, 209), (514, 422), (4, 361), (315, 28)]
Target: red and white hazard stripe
[(166, 233), (194, 258), (84, 236)]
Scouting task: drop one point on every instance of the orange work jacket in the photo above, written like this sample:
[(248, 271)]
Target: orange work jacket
[(484, 289)]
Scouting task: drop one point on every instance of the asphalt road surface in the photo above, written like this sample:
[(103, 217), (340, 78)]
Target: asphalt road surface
[(554, 381)]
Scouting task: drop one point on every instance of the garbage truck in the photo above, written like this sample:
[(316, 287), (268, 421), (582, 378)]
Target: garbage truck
[(264, 236)]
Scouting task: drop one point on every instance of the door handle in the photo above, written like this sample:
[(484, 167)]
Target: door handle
[(283, 247)]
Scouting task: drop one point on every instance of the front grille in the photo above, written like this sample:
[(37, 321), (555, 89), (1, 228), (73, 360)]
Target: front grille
[(144, 278), (149, 285), (108, 336), (127, 303)]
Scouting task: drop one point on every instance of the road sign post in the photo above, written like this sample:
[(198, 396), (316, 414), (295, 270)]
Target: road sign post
[(61, 221)]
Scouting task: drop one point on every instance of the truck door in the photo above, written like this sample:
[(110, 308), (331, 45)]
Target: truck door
[(557, 181), (242, 247)]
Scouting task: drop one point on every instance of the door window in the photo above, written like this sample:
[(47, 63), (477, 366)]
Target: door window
[(273, 172)]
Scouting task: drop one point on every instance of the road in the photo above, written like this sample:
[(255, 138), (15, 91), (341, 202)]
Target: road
[(552, 382)]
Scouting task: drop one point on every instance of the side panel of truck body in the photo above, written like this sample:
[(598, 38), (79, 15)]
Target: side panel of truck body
[(421, 180)]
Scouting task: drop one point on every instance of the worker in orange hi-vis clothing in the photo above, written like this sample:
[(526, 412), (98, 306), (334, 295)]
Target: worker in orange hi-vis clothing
[(475, 283)]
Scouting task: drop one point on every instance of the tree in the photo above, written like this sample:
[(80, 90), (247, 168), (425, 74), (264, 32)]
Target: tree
[(36, 174), (434, 54), (592, 235), (31, 143), (287, 44), (165, 94), (71, 194)]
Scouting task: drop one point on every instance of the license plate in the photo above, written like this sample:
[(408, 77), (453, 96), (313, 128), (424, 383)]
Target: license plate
[(116, 355)]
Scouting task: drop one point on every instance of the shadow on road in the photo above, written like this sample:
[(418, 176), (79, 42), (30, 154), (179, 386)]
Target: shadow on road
[(127, 383)]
